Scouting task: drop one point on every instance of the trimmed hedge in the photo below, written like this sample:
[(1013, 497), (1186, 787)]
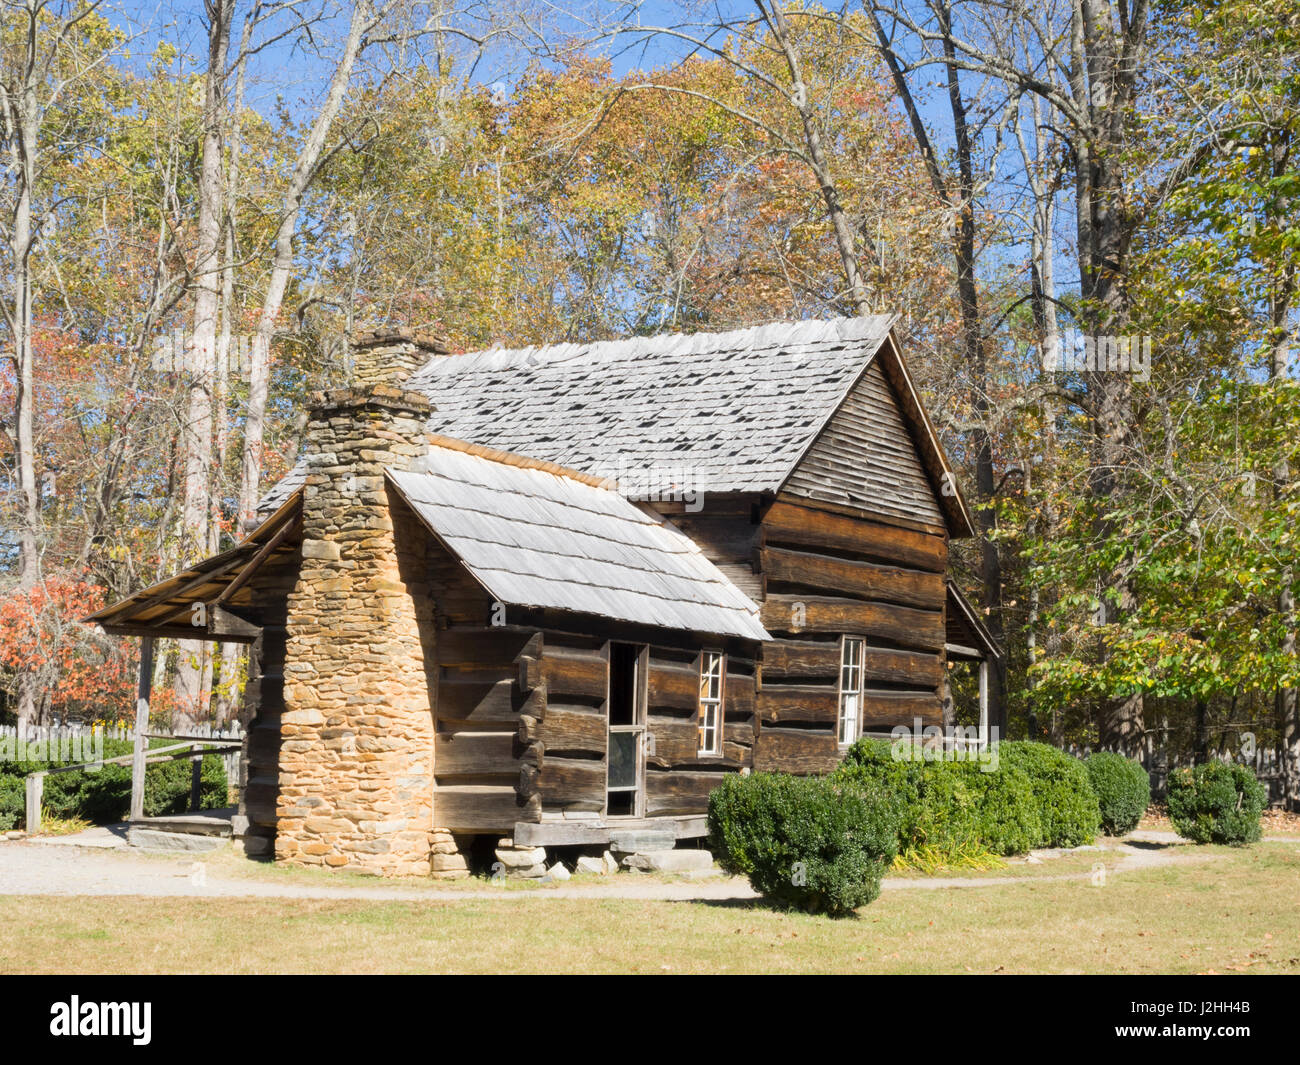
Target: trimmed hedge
[(1217, 803), (810, 843), (104, 796), (1123, 790), (951, 807), (1068, 812)]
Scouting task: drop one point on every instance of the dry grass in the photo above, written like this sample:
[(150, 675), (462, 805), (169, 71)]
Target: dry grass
[(1238, 913)]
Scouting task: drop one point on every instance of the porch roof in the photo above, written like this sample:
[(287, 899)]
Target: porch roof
[(219, 582), (538, 536)]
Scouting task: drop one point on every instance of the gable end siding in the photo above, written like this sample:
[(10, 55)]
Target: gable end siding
[(865, 457)]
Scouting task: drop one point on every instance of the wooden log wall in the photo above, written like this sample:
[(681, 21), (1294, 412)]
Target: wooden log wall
[(568, 729), (826, 574), (480, 707), (678, 778)]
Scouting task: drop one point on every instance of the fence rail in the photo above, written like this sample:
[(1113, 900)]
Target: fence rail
[(62, 741)]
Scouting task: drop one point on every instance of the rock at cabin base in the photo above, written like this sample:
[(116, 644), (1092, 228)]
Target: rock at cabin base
[(642, 841), (558, 872), (669, 861), (588, 864), (520, 857)]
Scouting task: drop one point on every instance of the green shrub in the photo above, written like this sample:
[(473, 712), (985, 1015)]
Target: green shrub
[(1216, 803), (1009, 820), (1123, 790), (952, 808), (1068, 813), (103, 796), (13, 801), (811, 843)]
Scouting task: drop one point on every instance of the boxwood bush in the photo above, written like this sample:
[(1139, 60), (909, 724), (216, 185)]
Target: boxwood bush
[(1216, 803), (1068, 812), (949, 807), (810, 843), (104, 796), (1123, 790)]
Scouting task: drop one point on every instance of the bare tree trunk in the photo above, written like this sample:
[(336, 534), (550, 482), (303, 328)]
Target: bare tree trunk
[(192, 669)]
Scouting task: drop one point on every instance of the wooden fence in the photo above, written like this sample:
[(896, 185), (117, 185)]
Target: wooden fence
[(62, 741), (1266, 762)]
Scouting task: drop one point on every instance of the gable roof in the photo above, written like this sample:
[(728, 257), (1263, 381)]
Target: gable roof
[(536, 537), (709, 412), (967, 636)]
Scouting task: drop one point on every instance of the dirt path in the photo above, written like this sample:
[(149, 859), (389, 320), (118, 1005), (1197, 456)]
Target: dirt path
[(28, 868)]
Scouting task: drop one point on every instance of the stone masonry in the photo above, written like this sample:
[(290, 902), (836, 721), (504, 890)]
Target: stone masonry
[(356, 758)]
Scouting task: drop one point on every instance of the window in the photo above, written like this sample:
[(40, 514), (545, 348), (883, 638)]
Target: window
[(626, 709), (711, 678), (850, 721)]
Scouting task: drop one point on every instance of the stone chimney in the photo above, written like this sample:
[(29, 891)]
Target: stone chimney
[(390, 356), (356, 761)]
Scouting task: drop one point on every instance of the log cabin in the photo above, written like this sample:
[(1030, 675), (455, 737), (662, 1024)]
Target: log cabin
[(554, 592)]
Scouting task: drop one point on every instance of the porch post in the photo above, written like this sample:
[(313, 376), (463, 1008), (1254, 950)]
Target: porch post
[(143, 690), (984, 702)]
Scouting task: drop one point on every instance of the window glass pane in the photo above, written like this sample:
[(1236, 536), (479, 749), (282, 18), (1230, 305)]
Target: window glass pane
[(622, 759), (850, 689)]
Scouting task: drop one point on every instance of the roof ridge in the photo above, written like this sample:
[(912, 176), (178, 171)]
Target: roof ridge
[(767, 334), (512, 458)]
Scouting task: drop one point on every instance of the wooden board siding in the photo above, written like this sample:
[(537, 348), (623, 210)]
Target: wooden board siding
[(865, 457), (726, 530), (827, 574)]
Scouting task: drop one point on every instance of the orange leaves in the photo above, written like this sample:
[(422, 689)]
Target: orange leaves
[(77, 670)]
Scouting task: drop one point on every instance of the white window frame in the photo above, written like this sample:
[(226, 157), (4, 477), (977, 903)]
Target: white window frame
[(713, 685), (848, 718)]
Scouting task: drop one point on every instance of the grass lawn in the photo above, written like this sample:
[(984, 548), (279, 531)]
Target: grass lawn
[(1239, 911)]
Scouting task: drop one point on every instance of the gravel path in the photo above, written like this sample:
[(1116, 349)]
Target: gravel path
[(39, 868)]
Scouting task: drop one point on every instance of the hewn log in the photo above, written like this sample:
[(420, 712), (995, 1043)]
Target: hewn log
[(881, 711), (573, 728), (678, 791), (738, 695), (482, 808), (801, 658), (476, 754), (483, 703), (788, 750), (674, 687), (783, 703), (571, 784), (474, 647), (805, 659), (790, 523), (921, 629), (572, 674), (867, 580)]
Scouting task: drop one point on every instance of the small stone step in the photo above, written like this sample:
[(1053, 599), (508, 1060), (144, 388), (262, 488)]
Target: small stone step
[(151, 839)]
